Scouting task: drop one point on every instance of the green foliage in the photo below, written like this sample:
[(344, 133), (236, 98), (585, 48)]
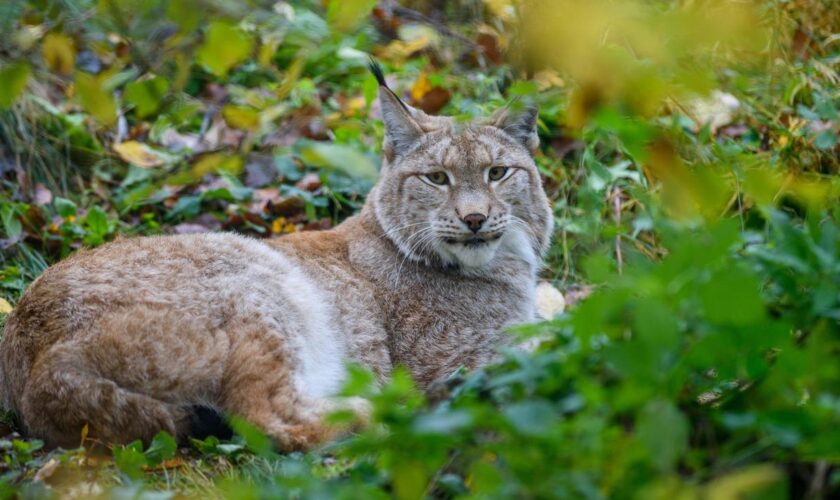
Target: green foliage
[(690, 152)]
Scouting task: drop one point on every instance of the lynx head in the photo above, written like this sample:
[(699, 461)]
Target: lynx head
[(458, 195)]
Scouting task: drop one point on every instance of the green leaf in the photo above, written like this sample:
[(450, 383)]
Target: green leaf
[(146, 95), (656, 325), (663, 430), (163, 447), (13, 78), (732, 297), (410, 480), (184, 14), (95, 99), (11, 222), (826, 140), (531, 418), (64, 207), (255, 439), (96, 222), (442, 422), (339, 157), (130, 459), (225, 46), (359, 381)]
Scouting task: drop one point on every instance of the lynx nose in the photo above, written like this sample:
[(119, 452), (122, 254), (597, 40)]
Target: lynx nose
[(474, 221)]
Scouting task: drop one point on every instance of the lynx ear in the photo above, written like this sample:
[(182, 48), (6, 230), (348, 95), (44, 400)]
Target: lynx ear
[(521, 124), (401, 129)]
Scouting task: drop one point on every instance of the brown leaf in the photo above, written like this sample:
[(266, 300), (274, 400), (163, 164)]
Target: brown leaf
[(310, 182), (286, 206), (318, 225), (490, 47), (434, 100)]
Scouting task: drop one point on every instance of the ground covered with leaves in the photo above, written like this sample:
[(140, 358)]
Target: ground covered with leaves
[(690, 150)]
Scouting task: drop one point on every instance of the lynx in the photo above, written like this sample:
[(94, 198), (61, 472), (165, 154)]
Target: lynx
[(128, 338)]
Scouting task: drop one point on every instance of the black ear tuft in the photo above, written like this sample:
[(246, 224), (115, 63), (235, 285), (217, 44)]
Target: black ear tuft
[(376, 69)]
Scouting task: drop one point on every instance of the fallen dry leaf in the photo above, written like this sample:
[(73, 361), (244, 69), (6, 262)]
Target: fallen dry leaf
[(489, 44), (5, 307), (550, 301), (434, 100), (43, 196), (138, 154), (310, 182), (47, 470), (421, 87), (716, 110)]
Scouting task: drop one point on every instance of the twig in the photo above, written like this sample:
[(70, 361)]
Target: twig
[(616, 199), (413, 15), (815, 490)]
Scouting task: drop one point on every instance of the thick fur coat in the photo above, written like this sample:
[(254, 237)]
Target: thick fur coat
[(128, 337)]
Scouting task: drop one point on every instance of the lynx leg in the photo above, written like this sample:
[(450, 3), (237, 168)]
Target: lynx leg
[(64, 393), (259, 387)]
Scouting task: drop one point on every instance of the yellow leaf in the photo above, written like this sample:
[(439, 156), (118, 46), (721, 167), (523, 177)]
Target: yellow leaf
[(421, 87), (398, 49), (217, 162), (95, 99), (138, 154), (268, 48), (241, 117), (59, 53), (292, 74), (413, 38), (503, 9), (745, 483), (13, 79), (278, 225), (5, 307), (344, 15), (548, 78), (84, 435)]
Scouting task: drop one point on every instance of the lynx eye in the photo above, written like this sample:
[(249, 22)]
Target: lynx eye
[(496, 173), (439, 178)]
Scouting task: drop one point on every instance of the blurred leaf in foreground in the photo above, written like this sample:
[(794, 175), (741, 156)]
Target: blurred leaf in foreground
[(95, 99), (339, 157), (633, 53), (13, 80), (344, 15), (137, 153), (225, 46), (146, 95), (59, 53)]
